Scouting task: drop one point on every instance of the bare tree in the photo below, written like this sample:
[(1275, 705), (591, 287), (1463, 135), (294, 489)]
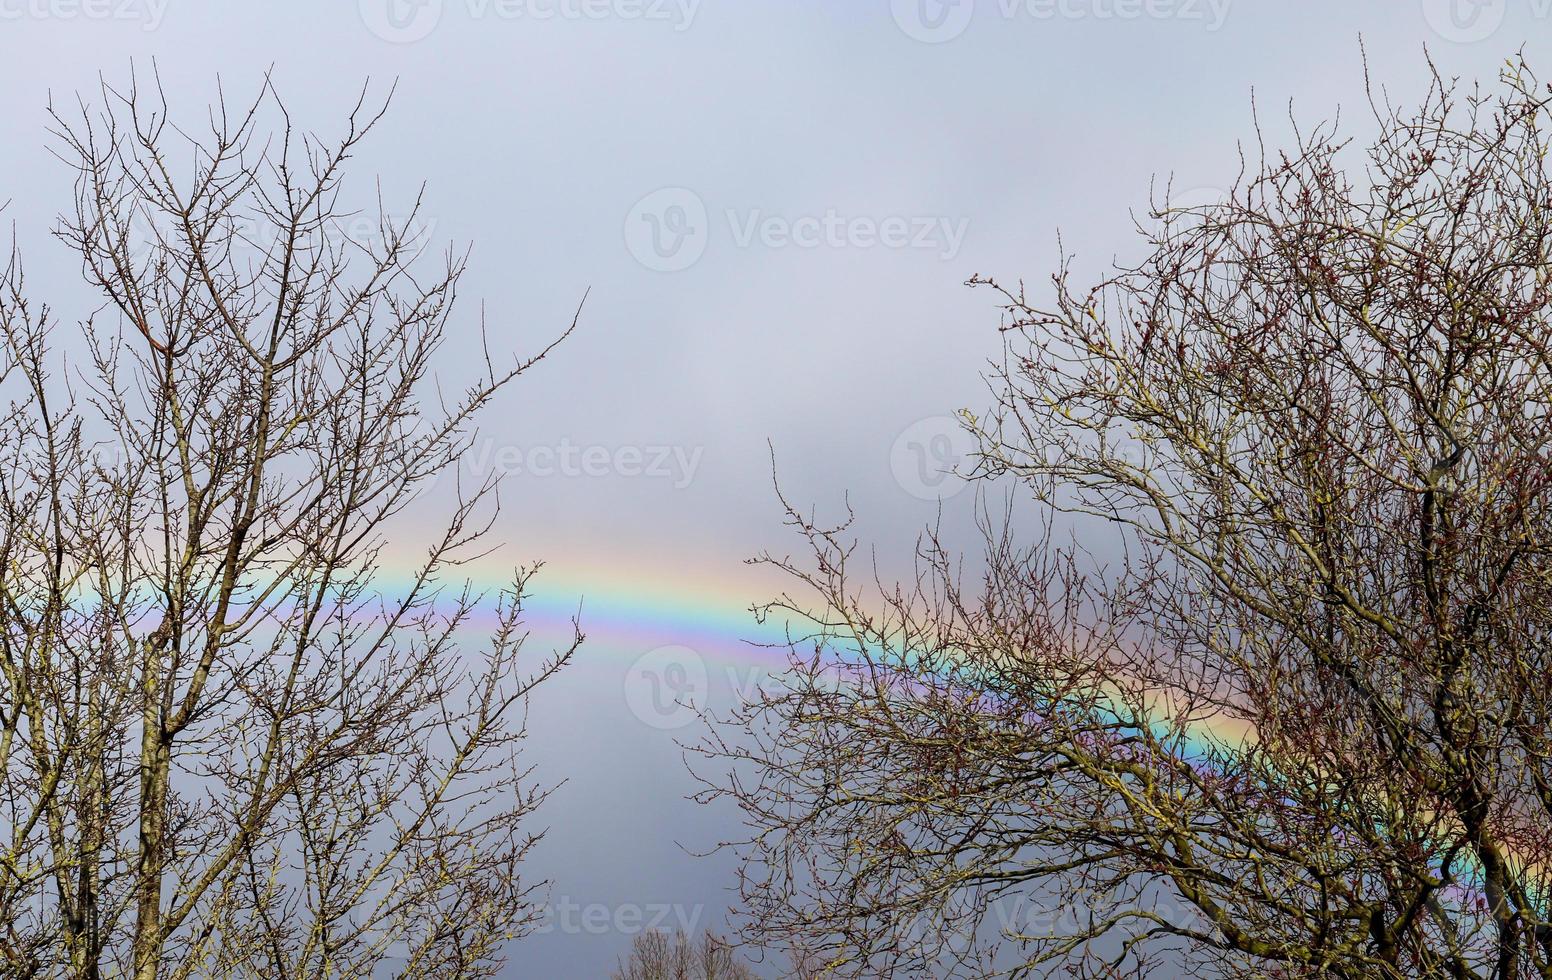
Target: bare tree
[(227, 749), (1288, 711), (658, 955)]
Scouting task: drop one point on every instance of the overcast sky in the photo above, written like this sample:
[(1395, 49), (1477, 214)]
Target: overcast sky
[(775, 204)]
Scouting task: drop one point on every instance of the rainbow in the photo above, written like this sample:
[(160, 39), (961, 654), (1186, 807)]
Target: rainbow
[(628, 611), (625, 610)]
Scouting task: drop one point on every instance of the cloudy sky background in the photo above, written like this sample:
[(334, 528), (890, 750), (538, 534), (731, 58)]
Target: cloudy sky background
[(774, 204)]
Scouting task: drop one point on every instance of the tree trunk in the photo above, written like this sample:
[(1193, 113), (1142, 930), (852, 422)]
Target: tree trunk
[(155, 757)]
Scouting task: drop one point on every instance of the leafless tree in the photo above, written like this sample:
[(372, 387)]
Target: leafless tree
[(658, 955), (1287, 709), (226, 748)]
